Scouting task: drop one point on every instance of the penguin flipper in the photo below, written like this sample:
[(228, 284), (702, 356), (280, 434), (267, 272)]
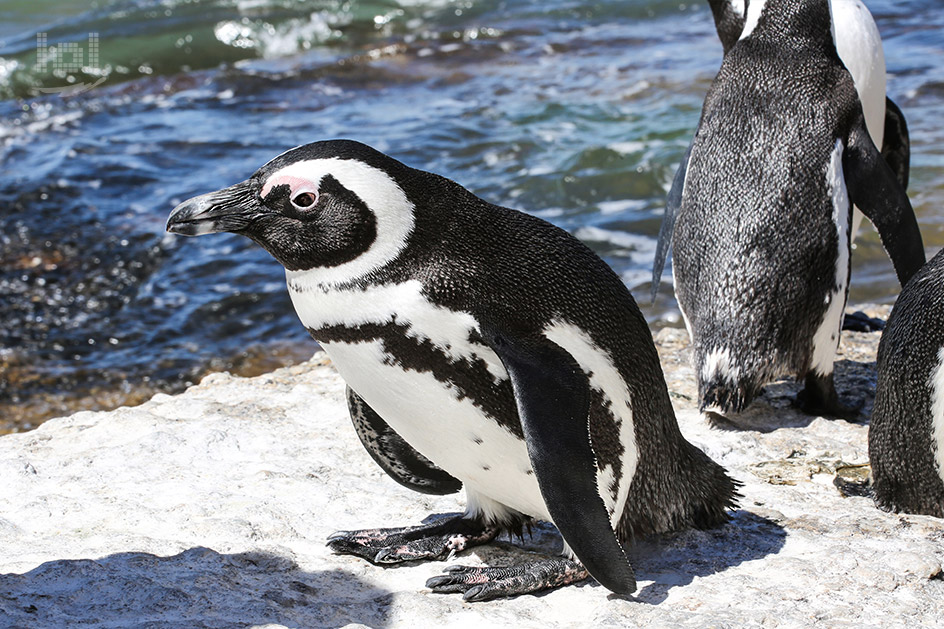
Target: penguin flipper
[(394, 455), (672, 203), (552, 395), (874, 189), (728, 22), (896, 145)]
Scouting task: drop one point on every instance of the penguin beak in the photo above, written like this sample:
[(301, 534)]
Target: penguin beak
[(228, 210)]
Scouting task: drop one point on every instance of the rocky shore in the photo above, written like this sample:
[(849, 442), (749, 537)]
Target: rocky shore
[(210, 509)]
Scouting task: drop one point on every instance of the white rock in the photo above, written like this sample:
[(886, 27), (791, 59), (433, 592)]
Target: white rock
[(211, 508)]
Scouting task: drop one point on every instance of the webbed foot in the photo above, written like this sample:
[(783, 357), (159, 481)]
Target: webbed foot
[(482, 584), (435, 541)]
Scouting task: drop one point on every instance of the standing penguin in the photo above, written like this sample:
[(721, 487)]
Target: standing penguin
[(906, 435), (859, 45), (486, 347), (760, 211)]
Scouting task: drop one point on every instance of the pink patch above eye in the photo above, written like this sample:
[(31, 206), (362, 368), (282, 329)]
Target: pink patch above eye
[(294, 183)]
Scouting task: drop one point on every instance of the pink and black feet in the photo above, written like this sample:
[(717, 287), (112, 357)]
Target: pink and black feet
[(429, 542), (444, 538), (486, 583)]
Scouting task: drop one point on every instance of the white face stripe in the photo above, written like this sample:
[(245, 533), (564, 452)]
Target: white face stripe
[(937, 413), (738, 7), (391, 207), (754, 10), (447, 329), (295, 184), (826, 339), (605, 377)]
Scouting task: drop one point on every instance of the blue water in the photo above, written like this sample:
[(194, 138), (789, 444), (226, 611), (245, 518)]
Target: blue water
[(577, 112)]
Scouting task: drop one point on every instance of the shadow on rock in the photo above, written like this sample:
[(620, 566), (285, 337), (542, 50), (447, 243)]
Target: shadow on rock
[(775, 407), (676, 559), (196, 588)]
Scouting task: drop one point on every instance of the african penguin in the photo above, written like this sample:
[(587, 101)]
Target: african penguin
[(859, 46), (760, 211), (906, 434), (491, 349)]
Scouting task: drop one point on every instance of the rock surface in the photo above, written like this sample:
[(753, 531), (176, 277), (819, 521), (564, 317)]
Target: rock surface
[(211, 509)]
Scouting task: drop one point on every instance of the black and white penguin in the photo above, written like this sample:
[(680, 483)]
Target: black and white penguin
[(760, 211), (906, 434), (859, 45), (860, 48), (489, 348)]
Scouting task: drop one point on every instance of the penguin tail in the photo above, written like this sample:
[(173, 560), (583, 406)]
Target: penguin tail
[(724, 384), (725, 396), (714, 493), (701, 496)]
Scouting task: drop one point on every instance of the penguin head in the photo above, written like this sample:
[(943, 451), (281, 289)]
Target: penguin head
[(328, 205), (804, 19)]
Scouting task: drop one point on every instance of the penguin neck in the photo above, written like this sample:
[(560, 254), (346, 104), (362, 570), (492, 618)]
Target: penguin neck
[(794, 23)]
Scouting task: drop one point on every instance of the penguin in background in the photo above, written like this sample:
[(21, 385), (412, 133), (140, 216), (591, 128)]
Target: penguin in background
[(760, 211), (483, 348), (859, 45), (906, 434)]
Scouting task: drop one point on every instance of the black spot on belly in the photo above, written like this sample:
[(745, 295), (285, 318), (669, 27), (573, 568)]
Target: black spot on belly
[(469, 379), (605, 438), (486, 468), (477, 440)]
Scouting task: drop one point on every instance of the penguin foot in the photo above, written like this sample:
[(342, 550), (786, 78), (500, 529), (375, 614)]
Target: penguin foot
[(435, 541), (860, 322), (483, 584), (819, 398)]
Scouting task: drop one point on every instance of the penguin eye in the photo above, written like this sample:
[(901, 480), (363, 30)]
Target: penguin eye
[(304, 200)]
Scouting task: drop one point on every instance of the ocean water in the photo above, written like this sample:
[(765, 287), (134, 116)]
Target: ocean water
[(113, 111)]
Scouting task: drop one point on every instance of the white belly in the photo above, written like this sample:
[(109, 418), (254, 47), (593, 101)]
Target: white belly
[(452, 432)]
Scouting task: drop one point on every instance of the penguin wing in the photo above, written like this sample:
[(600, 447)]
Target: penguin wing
[(896, 145), (672, 204), (875, 190), (728, 22), (394, 455), (552, 395)]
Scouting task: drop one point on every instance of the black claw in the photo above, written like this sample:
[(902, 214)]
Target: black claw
[(458, 569), (345, 547), (340, 546), (477, 593), (436, 582), (449, 587)]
